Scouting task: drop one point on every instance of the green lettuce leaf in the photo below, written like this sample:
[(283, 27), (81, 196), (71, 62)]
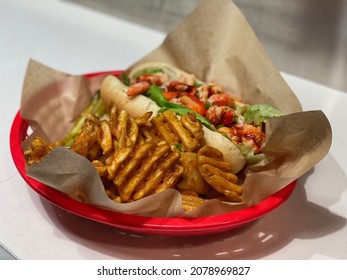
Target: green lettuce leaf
[(259, 113)]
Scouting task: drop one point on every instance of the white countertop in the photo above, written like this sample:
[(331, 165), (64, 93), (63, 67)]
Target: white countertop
[(73, 39)]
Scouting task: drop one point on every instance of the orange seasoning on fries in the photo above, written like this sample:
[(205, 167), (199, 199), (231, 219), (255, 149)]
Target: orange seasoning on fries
[(139, 157)]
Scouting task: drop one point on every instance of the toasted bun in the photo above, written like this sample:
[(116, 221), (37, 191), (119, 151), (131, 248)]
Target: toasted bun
[(113, 92)]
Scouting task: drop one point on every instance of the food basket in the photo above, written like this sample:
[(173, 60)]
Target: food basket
[(141, 224)]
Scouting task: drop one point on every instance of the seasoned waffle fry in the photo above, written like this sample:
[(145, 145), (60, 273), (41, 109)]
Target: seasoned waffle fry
[(191, 177), (217, 173), (133, 131), (105, 137), (122, 124), (147, 133), (86, 139), (111, 194), (146, 167), (190, 122), (189, 142), (170, 179), (164, 130), (144, 119), (113, 121), (125, 129), (186, 130), (140, 152), (210, 170), (38, 149), (191, 200), (121, 132), (155, 181), (224, 186), (210, 152), (213, 157), (116, 160)]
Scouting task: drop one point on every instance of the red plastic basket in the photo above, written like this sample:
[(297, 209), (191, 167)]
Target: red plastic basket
[(140, 224)]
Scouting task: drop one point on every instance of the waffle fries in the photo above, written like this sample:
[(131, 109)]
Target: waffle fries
[(216, 173), (187, 130), (139, 157), (191, 200), (39, 149)]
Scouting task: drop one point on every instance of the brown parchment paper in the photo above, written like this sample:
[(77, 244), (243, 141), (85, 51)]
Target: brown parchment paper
[(216, 43)]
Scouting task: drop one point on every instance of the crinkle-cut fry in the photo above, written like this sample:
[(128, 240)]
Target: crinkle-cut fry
[(213, 157), (86, 138), (144, 119), (121, 138), (113, 121), (224, 186), (191, 200), (210, 152), (124, 140), (232, 196), (113, 196), (133, 131), (209, 170), (119, 125), (190, 122), (190, 144), (127, 190), (114, 162), (170, 179), (100, 167), (148, 134), (216, 173), (122, 125), (105, 137), (159, 122), (223, 165), (155, 178), (150, 183), (39, 148), (125, 129), (191, 178), (139, 153)]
